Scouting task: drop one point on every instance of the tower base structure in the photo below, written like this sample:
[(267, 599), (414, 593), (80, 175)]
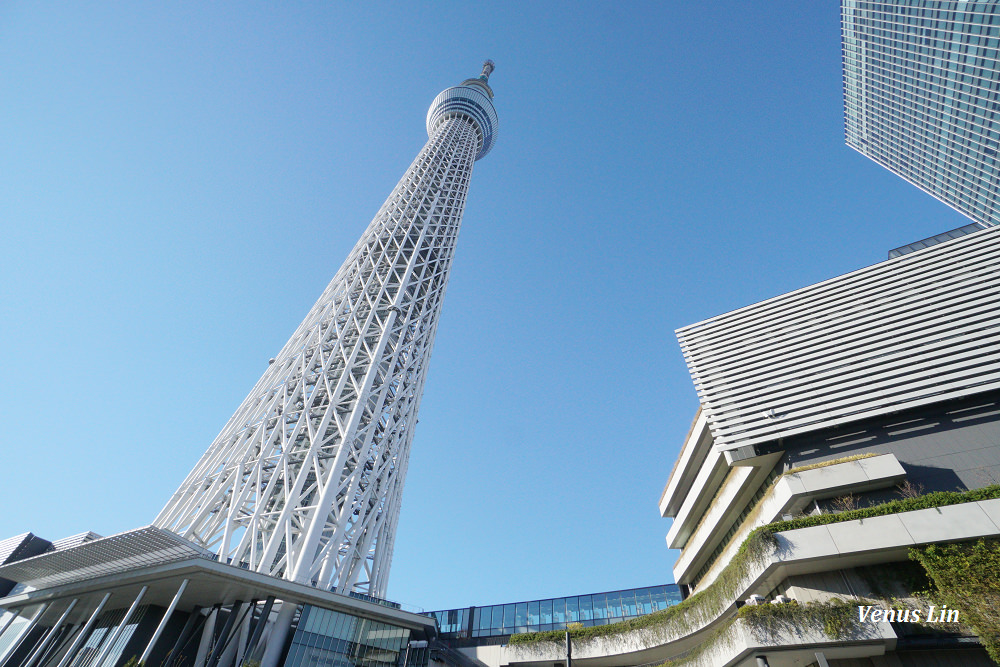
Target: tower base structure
[(149, 597)]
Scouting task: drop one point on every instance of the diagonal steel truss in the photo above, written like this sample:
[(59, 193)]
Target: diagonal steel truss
[(305, 480)]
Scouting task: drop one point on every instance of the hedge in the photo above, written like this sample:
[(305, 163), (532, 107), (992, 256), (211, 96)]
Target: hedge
[(967, 578), (926, 501), (720, 593)]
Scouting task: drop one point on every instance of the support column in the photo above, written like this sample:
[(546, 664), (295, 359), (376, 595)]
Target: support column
[(75, 646), (163, 622), (223, 644), (24, 634), (182, 638), (206, 637), (241, 642), (258, 628), (113, 639), (14, 615), (279, 633), (49, 636)]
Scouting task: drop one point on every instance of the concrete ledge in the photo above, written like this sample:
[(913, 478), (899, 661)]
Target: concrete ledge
[(738, 642), (790, 494), (802, 551)]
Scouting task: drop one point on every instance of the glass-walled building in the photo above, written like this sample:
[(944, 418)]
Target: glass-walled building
[(921, 95), (335, 639), (554, 613)]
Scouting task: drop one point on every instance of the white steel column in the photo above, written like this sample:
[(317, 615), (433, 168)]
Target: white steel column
[(37, 653), (110, 642), (163, 622), (75, 646), (24, 634)]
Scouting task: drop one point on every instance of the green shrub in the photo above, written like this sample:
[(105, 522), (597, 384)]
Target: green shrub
[(709, 603), (967, 578), (838, 618), (927, 501), (688, 615)]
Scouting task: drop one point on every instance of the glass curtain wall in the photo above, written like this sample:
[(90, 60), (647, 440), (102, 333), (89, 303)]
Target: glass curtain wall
[(327, 638), (555, 613)]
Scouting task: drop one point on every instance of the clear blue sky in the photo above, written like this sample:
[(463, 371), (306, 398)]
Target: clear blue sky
[(181, 180)]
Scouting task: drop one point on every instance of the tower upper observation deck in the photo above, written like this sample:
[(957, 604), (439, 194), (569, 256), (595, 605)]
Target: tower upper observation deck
[(472, 100)]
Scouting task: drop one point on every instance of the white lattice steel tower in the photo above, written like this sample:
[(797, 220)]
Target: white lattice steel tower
[(304, 482)]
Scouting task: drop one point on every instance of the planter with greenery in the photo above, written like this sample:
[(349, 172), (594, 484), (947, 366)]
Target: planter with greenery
[(966, 577), (708, 605)]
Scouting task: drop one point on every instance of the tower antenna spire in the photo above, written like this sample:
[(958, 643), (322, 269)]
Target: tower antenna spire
[(488, 68)]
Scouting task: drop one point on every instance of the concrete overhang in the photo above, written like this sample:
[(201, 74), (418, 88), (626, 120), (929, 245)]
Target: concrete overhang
[(210, 583), (696, 447)]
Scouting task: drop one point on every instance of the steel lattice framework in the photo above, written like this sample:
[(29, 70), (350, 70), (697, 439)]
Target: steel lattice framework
[(305, 480)]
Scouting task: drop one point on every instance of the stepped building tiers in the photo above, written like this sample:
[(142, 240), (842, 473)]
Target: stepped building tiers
[(277, 546)]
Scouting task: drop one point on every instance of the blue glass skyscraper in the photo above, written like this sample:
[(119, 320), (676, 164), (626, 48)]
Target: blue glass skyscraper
[(921, 96)]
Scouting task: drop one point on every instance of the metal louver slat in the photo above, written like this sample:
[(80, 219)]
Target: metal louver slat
[(919, 328)]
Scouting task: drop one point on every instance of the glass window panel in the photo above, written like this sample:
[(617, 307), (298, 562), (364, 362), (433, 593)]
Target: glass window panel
[(545, 612), (586, 608), (600, 606), (533, 613), (628, 603), (486, 619), (521, 614), (614, 605), (659, 598), (642, 603), (311, 616), (559, 610), (572, 610), (497, 623), (508, 616), (346, 628)]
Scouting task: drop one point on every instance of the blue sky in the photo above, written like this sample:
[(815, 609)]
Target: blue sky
[(180, 182)]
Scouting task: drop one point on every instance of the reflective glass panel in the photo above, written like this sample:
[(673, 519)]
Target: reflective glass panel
[(546, 612), (559, 610), (497, 624), (586, 610), (659, 598), (521, 614), (600, 606), (533, 613), (628, 603), (642, 601), (572, 610), (508, 617), (614, 605)]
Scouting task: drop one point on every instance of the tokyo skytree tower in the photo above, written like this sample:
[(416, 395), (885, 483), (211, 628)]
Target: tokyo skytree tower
[(304, 481)]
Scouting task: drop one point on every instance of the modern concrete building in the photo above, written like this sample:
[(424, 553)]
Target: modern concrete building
[(276, 549), (873, 386), (921, 92)]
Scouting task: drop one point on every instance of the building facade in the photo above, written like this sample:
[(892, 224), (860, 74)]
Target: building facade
[(858, 419), (921, 92), (276, 549)]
